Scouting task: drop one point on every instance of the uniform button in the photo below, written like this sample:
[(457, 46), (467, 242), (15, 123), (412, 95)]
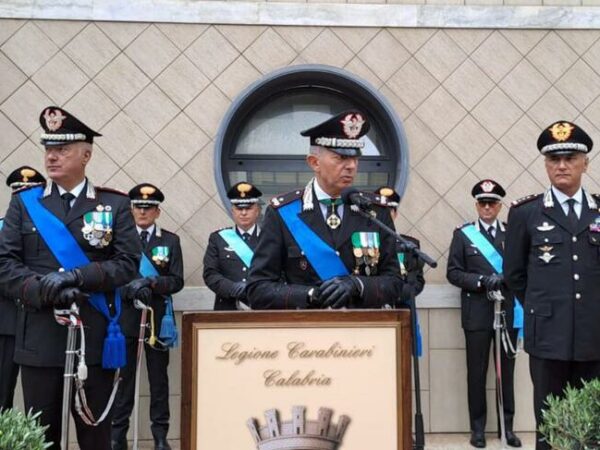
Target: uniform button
[(545, 239), (243, 279), (531, 311), (574, 238), (577, 296), (576, 277), (337, 253), (227, 256), (575, 257), (33, 228), (243, 269), (302, 253)]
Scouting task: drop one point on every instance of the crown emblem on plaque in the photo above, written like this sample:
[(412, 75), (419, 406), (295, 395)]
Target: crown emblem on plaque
[(299, 433)]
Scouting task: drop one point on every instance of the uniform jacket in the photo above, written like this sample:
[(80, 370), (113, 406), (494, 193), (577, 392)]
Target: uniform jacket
[(168, 282), (24, 257), (555, 270), (466, 265), (280, 276), (223, 267), (412, 267), (8, 314)]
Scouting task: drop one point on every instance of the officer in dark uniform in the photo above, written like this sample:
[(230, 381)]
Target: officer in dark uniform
[(225, 271), (163, 251), (315, 252), (9, 370), (100, 223), (552, 264), (470, 270)]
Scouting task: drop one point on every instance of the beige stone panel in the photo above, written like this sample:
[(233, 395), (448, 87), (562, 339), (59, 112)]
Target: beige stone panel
[(437, 275), (425, 244), (402, 110), (448, 392), (592, 56), (91, 50), (152, 109), (429, 225), (425, 409), (60, 31), (27, 153), (208, 219), (8, 27), (412, 83), (190, 197), (591, 128), (407, 2), (525, 184), (441, 112), (241, 36), (524, 40), (468, 38), (444, 2), (12, 77), (60, 78), (496, 56), (192, 253), (121, 80), (29, 48), (445, 329), (24, 106), (152, 51), (94, 102), (211, 53), (201, 167), (12, 137), (196, 279), (469, 140), (580, 84), (151, 164), (423, 317), (418, 198), (497, 113), (384, 55), (468, 84), (497, 157), (298, 37), (484, 2), (412, 39), (520, 140), (562, 2), (459, 197), (552, 56), (101, 168), (182, 139), (121, 181), (524, 416), (182, 81), (524, 84), (122, 33), (441, 168), (327, 48), (182, 34), (523, 2), (552, 106), (359, 68), (355, 38), (270, 52), (5, 195), (537, 169), (402, 224), (122, 138), (208, 109), (441, 55), (592, 112)]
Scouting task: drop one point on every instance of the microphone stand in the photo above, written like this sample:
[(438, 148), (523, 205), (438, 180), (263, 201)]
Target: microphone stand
[(408, 291)]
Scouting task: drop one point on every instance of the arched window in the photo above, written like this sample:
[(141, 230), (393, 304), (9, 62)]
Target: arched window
[(259, 138)]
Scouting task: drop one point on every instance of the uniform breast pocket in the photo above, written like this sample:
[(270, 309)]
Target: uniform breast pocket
[(594, 241), (546, 248), (472, 252), (31, 238), (296, 259)]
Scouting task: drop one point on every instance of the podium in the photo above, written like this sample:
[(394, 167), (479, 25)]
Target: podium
[(275, 380)]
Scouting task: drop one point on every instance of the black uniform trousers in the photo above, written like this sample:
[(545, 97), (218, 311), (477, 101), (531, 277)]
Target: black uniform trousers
[(42, 391), (157, 363), (9, 370), (550, 376), (478, 345)]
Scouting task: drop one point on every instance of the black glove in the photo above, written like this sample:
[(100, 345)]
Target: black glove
[(67, 296), (140, 289), (338, 292), (493, 282), (313, 300), (54, 282), (238, 291)]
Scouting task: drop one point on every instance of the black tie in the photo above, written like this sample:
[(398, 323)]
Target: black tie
[(572, 215), (246, 236), (491, 232), (144, 238), (67, 197)]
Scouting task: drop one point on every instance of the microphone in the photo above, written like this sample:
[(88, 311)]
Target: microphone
[(352, 196)]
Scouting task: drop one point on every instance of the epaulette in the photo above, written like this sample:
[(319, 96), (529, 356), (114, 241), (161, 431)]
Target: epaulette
[(464, 224), (107, 189), (24, 188), (283, 199), (523, 200)]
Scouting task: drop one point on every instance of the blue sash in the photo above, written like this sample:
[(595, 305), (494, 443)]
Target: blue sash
[(321, 256), (238, 245), (494, 258), (69, 255), (168, 330), (1, 223)]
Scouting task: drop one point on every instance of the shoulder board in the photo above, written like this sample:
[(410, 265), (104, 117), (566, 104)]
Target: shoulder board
[(523, 200), (462, 225), (24, 188), (283, 199), (167, 231), (221, 229), (111, 190)]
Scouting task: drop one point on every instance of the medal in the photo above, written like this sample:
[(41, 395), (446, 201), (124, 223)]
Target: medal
[(333, 221), (97, 227), (546, 257), (160, 255)]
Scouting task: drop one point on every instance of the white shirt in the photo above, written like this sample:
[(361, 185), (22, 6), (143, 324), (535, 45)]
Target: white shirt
[(486, 226), (75, 191), (250, 231), (322, 195), (150, 231), (562, 199)]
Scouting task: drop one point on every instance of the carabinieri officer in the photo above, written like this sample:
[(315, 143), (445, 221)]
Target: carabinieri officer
[(99, 252), (230, 250), (315, 252)]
